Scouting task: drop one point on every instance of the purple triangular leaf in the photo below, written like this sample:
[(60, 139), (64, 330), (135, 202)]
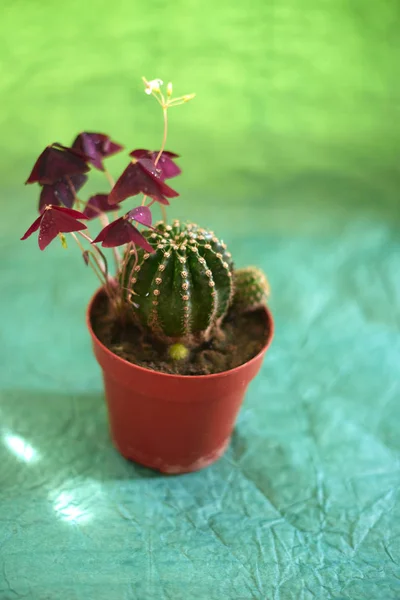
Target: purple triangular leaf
[(98, 204), (141, 214), (56, 162), (57, 220), (141, 177), (62, 192), (71, 212), (121, 232), (165, 165), (34, 227), (96, 146), (139, 240), (47, 196)]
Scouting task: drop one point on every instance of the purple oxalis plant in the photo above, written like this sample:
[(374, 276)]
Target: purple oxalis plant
[(61, 173)]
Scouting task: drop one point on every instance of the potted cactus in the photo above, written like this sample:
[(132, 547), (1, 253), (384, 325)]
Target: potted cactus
[(178, 332)]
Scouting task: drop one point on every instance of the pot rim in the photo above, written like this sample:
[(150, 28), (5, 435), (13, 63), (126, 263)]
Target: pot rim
[(172, 376)]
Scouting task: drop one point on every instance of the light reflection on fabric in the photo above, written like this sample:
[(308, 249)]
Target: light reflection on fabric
[(20, 447), (68, 509)]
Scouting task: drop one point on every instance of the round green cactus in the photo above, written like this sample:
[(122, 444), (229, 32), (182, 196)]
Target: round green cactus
[(251, 289), (185, 287)]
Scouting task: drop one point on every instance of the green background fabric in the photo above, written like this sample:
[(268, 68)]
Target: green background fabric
[(291, 154)]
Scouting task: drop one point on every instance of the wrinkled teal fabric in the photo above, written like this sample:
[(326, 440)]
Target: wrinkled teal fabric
[(290, 153)]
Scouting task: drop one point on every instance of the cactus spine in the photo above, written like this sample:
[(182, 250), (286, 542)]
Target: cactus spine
[(185, 287), (251, 289)]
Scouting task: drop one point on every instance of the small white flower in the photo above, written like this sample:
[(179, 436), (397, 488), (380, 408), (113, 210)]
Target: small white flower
[(152, 86)]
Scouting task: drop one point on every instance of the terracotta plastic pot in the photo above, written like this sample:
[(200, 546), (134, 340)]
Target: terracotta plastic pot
[(172, 423)]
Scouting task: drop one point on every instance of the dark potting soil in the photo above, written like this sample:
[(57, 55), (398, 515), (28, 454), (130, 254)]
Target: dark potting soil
[(240, 337)]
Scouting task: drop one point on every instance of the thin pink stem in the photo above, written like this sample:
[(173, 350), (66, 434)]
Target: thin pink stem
[(89, 239), (109, 177), (102, 217), (73, 190), (164, 140), (130, 249), (100, 274), (117, 257), (105, 222)]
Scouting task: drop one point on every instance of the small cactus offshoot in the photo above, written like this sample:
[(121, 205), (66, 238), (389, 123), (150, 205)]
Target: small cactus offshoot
[(184, 288), (178, 351), (251, 289)]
